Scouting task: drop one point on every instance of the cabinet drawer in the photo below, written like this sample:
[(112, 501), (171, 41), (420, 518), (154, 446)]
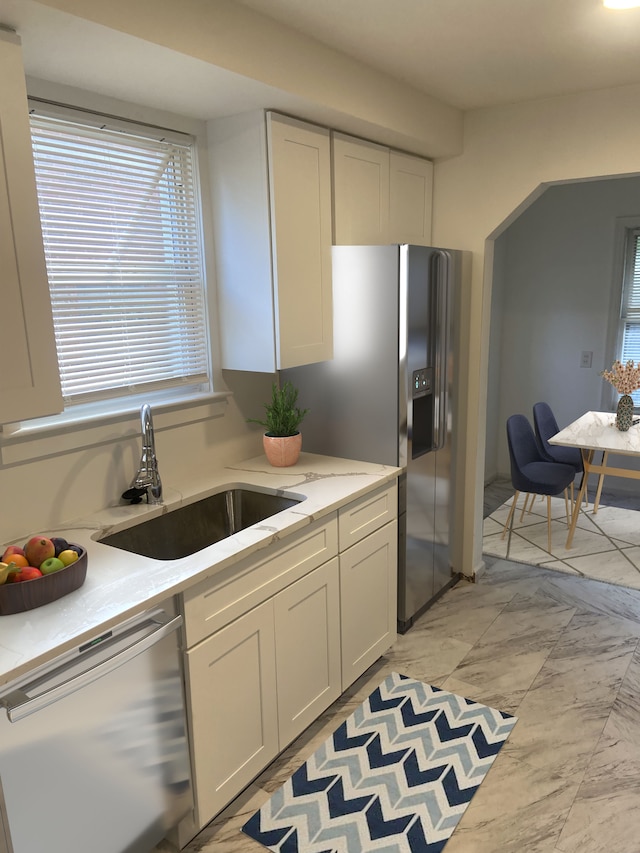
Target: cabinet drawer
[(367, 514), (216, 601)]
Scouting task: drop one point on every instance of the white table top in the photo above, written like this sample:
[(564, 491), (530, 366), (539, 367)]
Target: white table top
[(598, 431)]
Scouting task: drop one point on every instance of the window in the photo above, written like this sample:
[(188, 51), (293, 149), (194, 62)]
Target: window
[(120, 222), (630, 304)]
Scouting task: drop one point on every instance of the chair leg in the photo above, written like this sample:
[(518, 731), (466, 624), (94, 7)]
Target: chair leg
[(526, 503), (549, 521), (509, 521), (511, 517), (566, 503)]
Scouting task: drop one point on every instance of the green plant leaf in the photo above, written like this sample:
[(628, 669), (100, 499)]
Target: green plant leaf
[(282, 415)]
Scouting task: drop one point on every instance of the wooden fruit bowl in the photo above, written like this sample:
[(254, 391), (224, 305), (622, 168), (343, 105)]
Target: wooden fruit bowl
[(25, 595)]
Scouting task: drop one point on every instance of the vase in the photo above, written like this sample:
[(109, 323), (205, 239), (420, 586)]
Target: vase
[(282, 451), (624, 412)]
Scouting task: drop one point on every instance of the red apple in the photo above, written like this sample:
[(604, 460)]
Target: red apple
[(38, 549), (28, 573), (12, 549)]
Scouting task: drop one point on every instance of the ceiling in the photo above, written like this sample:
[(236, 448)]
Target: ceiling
[(477, 53), (466, 53)]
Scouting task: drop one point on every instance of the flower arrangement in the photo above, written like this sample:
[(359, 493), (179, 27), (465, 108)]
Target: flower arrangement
[(625, 378)]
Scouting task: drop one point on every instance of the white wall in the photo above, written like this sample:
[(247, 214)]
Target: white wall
[(42, 493), (550, 301), (510, 154), (331, 87)]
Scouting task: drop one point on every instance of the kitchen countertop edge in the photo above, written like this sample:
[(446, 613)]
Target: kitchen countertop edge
[(120, 585)]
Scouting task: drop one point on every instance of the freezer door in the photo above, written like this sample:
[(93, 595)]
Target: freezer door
[(427, 379)]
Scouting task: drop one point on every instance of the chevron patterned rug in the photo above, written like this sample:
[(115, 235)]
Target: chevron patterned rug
[(396, 776)]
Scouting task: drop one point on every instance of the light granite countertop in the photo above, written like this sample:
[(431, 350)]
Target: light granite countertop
[(120, 584)]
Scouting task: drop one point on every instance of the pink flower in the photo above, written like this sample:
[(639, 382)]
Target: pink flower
[(625, 378)]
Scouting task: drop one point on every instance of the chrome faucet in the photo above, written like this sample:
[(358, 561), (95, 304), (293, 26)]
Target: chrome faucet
[(147, 481)]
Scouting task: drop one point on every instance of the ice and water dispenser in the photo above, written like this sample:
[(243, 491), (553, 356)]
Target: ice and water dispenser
[(421, 417)]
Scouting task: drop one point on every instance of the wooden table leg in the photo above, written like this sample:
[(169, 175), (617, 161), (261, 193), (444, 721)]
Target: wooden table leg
[(587, 457), (605, 456)]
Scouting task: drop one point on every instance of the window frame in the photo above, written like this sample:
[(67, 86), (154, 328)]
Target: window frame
[(174, 392), (87, 425), (627, 230)]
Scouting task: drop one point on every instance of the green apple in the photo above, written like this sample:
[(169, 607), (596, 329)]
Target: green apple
[(52, 564)]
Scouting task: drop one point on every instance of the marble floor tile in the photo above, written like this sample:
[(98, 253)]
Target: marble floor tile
[(605, 815), (601, 824), (618, 523), (577, 687), (517, 809), (619, 567), (593, 595), (511, 652), (606, 544), (505, 700)]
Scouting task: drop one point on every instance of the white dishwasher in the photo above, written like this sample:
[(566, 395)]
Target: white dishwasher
[(93, 746)]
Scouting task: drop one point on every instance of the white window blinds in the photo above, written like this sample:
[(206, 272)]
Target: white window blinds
[(120, 227), (630, 311)]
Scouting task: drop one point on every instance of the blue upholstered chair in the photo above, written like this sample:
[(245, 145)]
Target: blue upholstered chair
[(531, 473), (546, 427)]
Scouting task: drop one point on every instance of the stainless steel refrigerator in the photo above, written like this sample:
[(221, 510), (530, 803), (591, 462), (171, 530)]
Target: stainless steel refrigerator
[(388, 396)]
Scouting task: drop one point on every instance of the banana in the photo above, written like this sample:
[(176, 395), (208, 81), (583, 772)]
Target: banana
[(5, 571)]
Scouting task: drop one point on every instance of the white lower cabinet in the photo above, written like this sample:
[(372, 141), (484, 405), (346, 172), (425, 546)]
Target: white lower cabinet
[(368, 596), (275, 640), (368, 542), (256, 684), (231, 679), (307, 621)]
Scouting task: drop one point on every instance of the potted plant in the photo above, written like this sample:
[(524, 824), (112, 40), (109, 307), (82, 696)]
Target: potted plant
[(625, 378), (283, 440)]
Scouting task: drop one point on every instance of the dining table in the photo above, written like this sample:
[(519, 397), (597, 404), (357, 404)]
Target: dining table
[(592, 433)]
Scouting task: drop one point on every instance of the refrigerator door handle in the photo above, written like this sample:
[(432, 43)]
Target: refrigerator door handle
[(440, 282)]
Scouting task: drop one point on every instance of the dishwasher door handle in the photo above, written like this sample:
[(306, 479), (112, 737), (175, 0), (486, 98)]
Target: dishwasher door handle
[(20, 705)]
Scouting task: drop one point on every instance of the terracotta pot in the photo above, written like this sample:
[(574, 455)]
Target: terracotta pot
[(282, 451)]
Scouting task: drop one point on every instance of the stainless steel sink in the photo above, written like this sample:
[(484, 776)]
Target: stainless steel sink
[(191, 528)]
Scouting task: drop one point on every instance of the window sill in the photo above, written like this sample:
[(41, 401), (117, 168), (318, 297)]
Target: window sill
[(67, 433)]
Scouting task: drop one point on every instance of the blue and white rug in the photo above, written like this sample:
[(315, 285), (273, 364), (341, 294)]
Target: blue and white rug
[(396, 776)]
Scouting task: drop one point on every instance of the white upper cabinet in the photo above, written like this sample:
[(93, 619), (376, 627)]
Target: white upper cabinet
[(29, 365), (360, 192), (380, 196), (410, 198), (271, 188)]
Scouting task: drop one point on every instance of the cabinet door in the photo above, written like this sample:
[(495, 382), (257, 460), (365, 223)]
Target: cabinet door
[(233, 713), (360, 192), (307, 618), (300, 183), (5, 837), (29, 367), (410, 199), (368, 600)]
